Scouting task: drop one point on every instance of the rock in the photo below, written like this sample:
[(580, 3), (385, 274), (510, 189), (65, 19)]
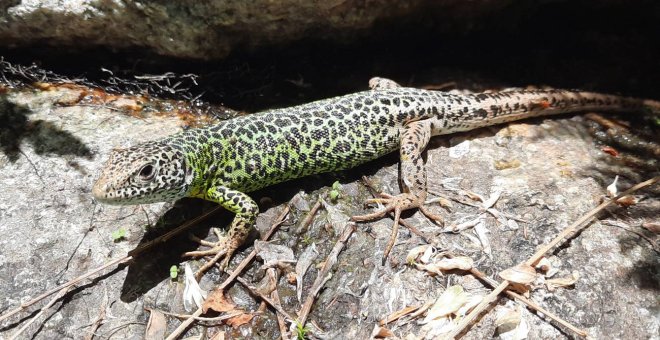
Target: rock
[(198, 29), (52, 230)]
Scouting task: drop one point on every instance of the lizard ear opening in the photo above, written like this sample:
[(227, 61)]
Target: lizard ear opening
[(189, 173)]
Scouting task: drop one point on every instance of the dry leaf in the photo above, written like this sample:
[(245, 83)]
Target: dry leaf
[(291, 278), (611, 189), (438, 328), (511, 325), (610, 150), (561, 282), (482, 233), (473, 196), (522, 273), (304, 262), (43, 86), (449, 302), (193, 294), (381, 332), (466, 225), (653, 227), (194, 337), (219, 336), (218, 302), (445, 203), (240, 320), (627, 201), (411, 336), (472, 302), (273, 253), (512, 224), (398, 314), (492, 200), (419, 252), (544, 264), (508, 321), (157, 325), (458, 262), (335, 216)]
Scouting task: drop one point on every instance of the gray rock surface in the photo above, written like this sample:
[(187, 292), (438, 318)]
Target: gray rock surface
[(53, 231), (197, 29)]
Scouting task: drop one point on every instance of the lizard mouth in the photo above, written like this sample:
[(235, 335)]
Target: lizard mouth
[(102, 192)]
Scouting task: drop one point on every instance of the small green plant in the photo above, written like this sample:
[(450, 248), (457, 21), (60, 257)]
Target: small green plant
[(334, 193), (301, 330), (118, 235), (174, 272), (307, 240)]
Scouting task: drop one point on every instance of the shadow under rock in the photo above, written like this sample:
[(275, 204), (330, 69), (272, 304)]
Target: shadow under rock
[(44, 136)]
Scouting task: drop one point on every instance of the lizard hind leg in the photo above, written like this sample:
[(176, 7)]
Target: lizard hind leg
[(414, 138)]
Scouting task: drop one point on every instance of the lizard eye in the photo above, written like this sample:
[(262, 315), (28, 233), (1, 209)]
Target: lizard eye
[(147, 172)]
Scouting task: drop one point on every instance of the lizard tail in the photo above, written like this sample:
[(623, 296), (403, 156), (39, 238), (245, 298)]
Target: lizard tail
[(500, 107)]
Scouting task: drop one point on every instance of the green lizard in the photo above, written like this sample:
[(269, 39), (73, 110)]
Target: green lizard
[(223, 162)]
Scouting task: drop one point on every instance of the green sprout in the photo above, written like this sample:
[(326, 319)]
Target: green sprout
[(301, 330), (334, 193), (174, 272), (118, 235)]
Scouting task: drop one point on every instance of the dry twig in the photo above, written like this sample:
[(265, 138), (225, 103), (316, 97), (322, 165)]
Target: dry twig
[(41, 312), (565, 234), (322, 276), (131, 254), (99, 319), (310, 217)]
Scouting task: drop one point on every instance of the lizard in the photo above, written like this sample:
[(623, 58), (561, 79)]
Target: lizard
[(224, 162)]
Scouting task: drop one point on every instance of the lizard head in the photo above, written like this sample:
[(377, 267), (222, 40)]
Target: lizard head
[(147, 173)]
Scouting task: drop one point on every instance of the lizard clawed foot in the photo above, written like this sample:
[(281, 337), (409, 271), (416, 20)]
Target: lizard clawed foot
[(222, 247), (392, 203), (396, 204), (401, 202)]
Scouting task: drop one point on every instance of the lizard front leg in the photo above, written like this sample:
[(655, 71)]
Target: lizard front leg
[(414, 138), (246, 211)]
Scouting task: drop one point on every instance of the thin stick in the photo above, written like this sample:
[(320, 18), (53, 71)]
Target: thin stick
[(64, 286), (41, 312), (628, 229), (280, 318), (570, 230), (322, 276), (198, 318), (167, 236), (100, 317), (310, 217), (130, 255), (528, 303), (185, 324), (576, 226), (265, 298)]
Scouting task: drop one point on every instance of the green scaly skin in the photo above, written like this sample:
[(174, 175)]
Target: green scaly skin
[(223, 162)]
